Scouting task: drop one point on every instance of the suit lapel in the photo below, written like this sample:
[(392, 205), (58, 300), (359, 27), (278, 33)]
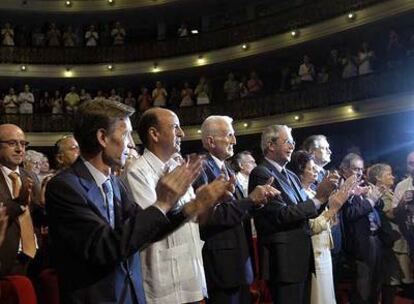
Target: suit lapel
[(282, 182), (94, 195), (4, 189)]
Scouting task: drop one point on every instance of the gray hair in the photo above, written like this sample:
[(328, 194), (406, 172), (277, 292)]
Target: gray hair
[(208, 126), (312, 142), (32, 156), (348, 159), (238, 160), (271, 134), (376, 171)]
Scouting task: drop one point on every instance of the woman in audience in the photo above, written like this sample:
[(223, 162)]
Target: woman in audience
[(144, 100), (365, 57), (202, 92), (186, 96), (57, 103), (322, 280), (159, 95), (394, 244), (255, 85), (130, 100)]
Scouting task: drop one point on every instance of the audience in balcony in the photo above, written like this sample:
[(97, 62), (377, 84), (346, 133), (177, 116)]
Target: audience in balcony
[(53, 35), (254, 84), (26, 101), (186, 95), (130, 100), (72, 100), (91, 36), (322, 76), (7, 35), (395, 50), (350, 68), (69, 38), (118, 34), (57, 103), (365, 59), (84, 96), (159, 95), (99, 96), (45, 103), (38, 37), (202, 92), (114, 96), (334, 64), (231, 87), (183, 31)]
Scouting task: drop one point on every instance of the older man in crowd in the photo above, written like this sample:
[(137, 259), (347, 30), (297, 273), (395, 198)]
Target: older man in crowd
[(318, 146), (282, 225), (16, 187), (172, 267), (225, 253), (66, 151), (96, 228)]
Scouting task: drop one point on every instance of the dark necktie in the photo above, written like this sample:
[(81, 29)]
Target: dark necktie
[(109, 194)]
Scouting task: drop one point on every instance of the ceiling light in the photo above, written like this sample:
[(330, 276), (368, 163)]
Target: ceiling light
[(245, 124), (68, 72), (194, 31), (199, 131), (351, 16), (297, 117), (155, 67), (245, 46), (350, 109), (23, 68), (294, 33), (110, 67), (111, 2), (68, 3)]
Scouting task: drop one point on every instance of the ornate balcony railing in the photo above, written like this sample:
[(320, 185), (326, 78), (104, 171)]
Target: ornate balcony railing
[(295, 17), (312, 97)]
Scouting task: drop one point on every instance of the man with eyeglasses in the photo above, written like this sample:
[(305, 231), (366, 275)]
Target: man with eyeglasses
[(362, 221), (282, 225), (16, 188)]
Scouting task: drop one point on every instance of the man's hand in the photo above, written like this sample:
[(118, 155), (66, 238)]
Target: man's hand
[(209, 195), (173, 185), (337, 199), (374, 194), (25, 196), (3, 222), (261, 194), (326, 186)]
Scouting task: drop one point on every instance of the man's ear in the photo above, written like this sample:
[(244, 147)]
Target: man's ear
[(101, 136), (153, 134), (210, 142)]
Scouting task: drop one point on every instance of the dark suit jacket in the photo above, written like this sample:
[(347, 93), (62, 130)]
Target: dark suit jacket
[(96, 263), (225, 252), (357, 226), (282, 226), (8, 251)]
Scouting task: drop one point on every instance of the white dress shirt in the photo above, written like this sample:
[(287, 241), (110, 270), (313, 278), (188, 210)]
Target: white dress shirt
[(172, 268)]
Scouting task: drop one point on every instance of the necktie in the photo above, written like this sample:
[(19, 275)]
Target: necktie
[(25, 220), (109, 193), (224, 172)]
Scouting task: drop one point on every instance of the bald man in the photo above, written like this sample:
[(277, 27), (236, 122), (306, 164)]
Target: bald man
[(19, 245)]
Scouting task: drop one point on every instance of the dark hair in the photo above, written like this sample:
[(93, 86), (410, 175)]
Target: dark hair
[(312, 142), (299, 160), (148, 119), (94, 115)]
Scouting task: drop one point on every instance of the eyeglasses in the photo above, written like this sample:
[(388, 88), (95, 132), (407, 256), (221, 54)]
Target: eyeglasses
[(15, 143), (285, 142)]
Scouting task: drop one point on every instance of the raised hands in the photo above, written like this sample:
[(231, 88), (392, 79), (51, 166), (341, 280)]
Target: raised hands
[(25, 196), (261, 194), (326, 186), (337, 199), (174, 184)]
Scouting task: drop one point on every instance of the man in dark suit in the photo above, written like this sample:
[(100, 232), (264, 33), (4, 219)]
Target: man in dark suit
[(282, 225), (363, 226), (226, 257), (16, 186), (96, 229)]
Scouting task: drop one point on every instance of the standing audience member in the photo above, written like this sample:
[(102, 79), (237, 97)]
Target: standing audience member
[(84, 96), (202, 92), (26, 101), (178, 254), (186, 95), (254, 84), (118, 34), (231, 87), (144, 100), (159, 95), (95, 227), (244, 163), (114, 96), (362, 222), (130, 100), (69, 37), (66, 151), (11, 105), (183, 31), (91, 36), (350, 67), (402, 248), (7, 35), (16, 185), (322, 284), (53, 35), (225, 252), (306, 71), (57, 103), (365, 57), (282, 225), (319, 147), (381, 176), (72, 101)]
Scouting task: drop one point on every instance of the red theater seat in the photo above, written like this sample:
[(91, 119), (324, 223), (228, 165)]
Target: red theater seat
[(18, 289), (48, 287)]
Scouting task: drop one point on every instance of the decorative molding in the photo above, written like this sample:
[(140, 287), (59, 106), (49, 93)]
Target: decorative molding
[(321, 116), (79, 6), (320, 30)]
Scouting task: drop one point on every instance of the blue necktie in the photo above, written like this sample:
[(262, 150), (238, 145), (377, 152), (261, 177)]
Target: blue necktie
[(109, 193)]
